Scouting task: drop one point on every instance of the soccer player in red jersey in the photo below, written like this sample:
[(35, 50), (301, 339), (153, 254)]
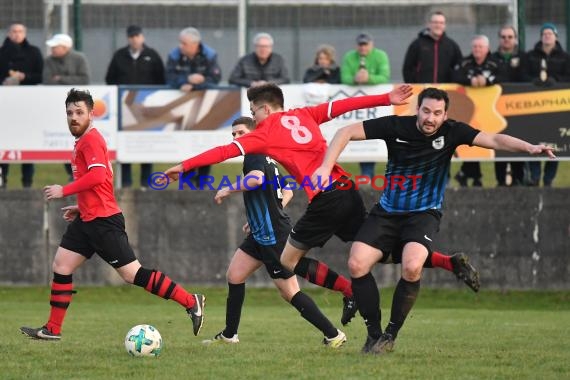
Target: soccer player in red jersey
[(98, 226), (294, 139)]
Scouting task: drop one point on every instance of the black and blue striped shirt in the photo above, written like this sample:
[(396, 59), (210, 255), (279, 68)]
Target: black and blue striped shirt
[(263, 205), (418, 165)]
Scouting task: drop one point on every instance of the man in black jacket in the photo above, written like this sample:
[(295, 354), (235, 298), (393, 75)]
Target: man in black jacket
[(21, 63), (510, 60), (135, 64), (432, 56), (545, 65), (478, 69)]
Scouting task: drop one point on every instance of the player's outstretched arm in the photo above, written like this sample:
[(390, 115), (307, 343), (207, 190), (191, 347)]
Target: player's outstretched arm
[(250, 181), (510, 144), (341, 138), (397, 96), (95, 176)]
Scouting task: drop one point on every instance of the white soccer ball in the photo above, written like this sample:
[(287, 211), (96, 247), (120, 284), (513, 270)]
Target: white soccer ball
[(143, 340)]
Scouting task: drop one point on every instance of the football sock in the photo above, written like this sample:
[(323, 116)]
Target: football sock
[(234, 303), (320, 274), (310, 311), (367, 299), (60, 298), (405, 296), (159, 284), (439, 260)]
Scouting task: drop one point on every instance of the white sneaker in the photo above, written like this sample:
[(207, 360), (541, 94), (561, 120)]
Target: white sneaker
[(220, 338), (335, 342)]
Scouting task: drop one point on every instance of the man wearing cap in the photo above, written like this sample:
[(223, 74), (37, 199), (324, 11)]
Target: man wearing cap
[(365, 64), (64, 65), (545, 65), (135, 64), (21, 63), (432, 56), (361, 66)]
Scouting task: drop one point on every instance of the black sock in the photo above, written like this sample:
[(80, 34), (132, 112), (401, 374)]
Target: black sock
[(311, 313), (367, 299), (234, 303), (405, 296)]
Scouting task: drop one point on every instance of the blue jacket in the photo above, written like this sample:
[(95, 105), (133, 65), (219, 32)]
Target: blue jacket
[(179, 66)]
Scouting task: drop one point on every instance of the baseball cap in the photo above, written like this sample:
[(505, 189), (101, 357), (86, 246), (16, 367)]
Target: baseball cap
[(60, 40), (363, 38), (548, 25), (133, 30)]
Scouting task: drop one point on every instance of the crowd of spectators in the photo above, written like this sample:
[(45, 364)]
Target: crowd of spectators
[(433, 57)]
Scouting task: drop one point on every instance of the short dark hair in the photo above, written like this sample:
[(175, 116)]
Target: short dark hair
[(76, 96), (433, 93), (247, 121), (268, 93)]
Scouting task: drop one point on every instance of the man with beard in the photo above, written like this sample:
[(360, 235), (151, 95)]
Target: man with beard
[(402, 225), (97, 226)]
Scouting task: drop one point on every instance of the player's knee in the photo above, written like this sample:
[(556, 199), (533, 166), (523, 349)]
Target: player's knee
[(61, 268), (412, 273), (357, 267), (129, 278), (289, 262)]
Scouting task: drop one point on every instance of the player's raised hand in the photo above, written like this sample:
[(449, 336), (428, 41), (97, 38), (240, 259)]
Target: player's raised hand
[(320, 178), (172, 173), (399, 94), (70, 212), (542, 149), (53, 192)]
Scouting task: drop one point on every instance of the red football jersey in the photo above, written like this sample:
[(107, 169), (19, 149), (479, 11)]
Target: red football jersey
[(99, 201), (294, 139)]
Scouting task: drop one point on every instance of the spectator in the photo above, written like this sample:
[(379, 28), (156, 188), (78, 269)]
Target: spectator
[(325, 69), (545, 65), (510, 61), (21, 63), (65, 66), (478, 69), (193, 65), (260, 67), (135, 64), (432, 56), (365, 65)]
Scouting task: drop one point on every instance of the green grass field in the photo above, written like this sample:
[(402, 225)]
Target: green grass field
[(450, 334), (47, 174)]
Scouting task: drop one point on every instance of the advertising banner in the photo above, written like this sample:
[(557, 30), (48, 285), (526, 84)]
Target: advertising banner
[(34, 125)]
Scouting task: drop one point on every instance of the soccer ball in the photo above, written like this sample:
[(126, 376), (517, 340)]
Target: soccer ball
[(143, 340)]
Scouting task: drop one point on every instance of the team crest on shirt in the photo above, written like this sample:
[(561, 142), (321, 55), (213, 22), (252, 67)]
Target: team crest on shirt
[(438, 143)]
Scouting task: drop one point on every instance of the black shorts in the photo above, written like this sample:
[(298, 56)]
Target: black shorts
[(268, 254), (104, 236), (389, 231), (337, 212)]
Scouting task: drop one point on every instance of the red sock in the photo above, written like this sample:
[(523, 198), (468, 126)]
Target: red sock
[(161, 285), (320, 274), (439, 260), (61, 292)]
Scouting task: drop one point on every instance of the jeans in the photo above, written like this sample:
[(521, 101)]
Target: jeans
[(550, 168)]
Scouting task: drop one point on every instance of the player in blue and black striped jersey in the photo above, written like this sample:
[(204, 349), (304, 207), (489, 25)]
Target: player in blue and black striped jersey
[(265, 193), (403, 223)]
